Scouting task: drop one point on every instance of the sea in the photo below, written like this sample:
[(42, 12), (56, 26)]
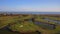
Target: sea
[(29, 12)]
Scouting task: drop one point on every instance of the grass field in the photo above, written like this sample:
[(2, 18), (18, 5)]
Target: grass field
[(24, 23)]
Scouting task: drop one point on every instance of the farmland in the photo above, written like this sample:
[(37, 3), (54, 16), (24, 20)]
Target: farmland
[(28, 23)]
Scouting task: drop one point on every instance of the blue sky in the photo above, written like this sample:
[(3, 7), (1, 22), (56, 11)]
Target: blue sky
[(29, 5)]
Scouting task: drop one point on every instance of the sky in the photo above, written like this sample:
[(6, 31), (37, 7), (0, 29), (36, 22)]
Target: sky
[(30, 5)]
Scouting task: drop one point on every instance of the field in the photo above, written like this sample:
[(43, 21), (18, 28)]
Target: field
[(29, 24)]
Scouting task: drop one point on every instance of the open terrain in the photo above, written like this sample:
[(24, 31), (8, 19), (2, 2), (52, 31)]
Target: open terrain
[(29, 23)]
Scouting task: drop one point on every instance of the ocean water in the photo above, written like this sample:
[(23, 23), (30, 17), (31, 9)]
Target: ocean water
[(30, 12)]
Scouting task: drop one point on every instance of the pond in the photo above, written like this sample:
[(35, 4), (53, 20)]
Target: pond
[(6, 30), (49, 20), (45, 25)]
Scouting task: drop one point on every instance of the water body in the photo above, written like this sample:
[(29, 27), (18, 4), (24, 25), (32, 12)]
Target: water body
[(45, 26), (28, 12), (6, 30), (49, 20)]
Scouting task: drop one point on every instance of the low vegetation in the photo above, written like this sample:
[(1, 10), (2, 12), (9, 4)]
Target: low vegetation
[(21, 23)]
